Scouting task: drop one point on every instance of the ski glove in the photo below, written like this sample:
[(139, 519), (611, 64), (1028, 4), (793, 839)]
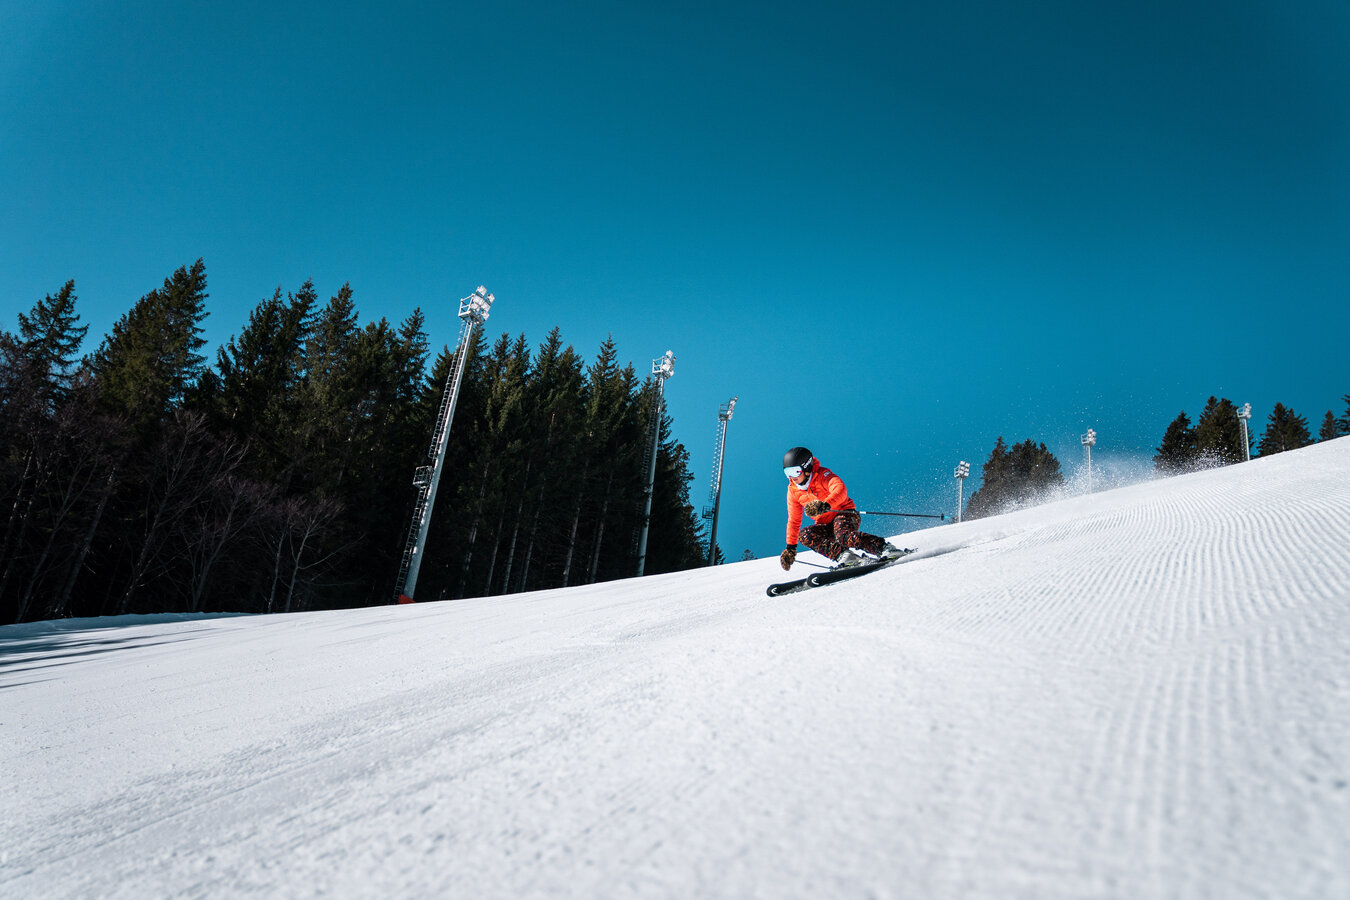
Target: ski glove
[(787, 557), (816, 508)]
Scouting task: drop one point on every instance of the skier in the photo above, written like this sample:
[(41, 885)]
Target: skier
[(818, 492)]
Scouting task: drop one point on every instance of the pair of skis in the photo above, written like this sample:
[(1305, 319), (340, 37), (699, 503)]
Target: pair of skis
[(831, 576)]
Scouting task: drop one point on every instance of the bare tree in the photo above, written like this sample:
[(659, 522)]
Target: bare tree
[(297, 527), (77, 459), (232, 507), (104, 437), (179, 475)]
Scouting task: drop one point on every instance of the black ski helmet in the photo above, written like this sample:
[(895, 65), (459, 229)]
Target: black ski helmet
[(797, 456)]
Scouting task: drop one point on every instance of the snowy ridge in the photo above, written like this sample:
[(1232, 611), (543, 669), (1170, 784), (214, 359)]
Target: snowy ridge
[(1139, 693)]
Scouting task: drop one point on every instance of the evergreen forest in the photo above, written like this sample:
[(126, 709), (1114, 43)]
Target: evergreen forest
[(1216, 437), (1014, 477), (143, 477), (1026, 473)]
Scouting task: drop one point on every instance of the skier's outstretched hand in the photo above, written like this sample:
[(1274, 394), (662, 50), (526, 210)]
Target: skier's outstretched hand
[(816, 508), (787, 557)]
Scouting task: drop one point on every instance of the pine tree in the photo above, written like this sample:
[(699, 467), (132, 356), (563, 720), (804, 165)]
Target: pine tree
[(331, 340), (1218, 434), (1177, 451), (44, 465), (51, 340), (12, 379), (510, 436), (611, 441), (554, 413), (150, 360), (1014, 477), (1035, 470), (412, 350), (501, 439), (371, 498), (1330, 429), (991, 496), (260, 374), (143, 374), (1343, 423), (325, 423), (1285, 430)]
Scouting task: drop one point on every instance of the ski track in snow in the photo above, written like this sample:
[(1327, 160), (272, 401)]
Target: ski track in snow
[(1142, 693)]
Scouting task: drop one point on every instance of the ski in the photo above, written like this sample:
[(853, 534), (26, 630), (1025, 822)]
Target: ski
[(832, 576), (787, 587)]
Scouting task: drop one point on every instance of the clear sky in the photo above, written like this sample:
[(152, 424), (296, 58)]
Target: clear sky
[(895, 230)]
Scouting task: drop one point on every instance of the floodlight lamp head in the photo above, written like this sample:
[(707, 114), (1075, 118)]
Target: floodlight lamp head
[(1245, 412), (476, 305)]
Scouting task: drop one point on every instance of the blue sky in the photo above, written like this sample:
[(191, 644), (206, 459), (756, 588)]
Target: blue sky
[(895, 230)]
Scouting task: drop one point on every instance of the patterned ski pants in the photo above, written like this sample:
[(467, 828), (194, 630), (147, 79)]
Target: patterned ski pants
[(840, 532)]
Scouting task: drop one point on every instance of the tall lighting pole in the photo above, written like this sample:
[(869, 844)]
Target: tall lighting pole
[(961, 474), (473, 311), (662, 369), (1243, 415), (715, 494), (1088, 440)]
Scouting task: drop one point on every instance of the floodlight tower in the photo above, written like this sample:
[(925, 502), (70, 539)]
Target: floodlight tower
[(662, 369), (961, 474), (473, 311), (1089, 440), (715, 492), (1243, 415)]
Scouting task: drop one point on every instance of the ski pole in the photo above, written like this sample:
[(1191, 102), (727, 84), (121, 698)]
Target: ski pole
[(863, 512)]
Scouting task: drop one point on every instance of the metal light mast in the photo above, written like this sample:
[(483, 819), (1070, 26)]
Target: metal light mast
[(662, 369), (961, 473), (473, 311), (1243, 415), (715, 493), (1088, 440)]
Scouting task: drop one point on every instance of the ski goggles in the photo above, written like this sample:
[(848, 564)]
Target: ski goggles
[(793, 472)]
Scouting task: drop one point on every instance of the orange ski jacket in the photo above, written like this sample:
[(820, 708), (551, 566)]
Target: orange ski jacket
[(824, 485)]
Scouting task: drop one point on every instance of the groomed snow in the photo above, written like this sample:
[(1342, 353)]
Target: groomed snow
[(1139, 693)]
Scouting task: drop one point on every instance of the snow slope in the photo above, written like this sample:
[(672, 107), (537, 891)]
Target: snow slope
[(1139, 693)]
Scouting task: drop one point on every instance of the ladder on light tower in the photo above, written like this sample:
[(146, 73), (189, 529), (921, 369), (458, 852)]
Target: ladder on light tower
[(473, 311), (715, 492), (1243, 415)]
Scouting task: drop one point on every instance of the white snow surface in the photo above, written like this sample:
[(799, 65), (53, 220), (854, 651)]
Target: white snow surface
[(1138, 693)]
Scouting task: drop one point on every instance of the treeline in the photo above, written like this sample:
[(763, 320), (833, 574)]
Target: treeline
[(1216, 437), (1027, 472), (139, 478)]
